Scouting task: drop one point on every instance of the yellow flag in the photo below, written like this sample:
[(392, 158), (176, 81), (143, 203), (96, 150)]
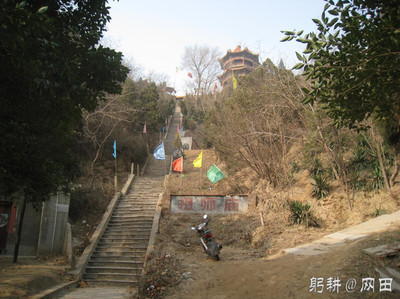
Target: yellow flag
[(234, 81), (199, 160)]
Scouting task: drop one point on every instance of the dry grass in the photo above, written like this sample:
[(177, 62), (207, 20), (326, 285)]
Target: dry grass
[(333, 212)]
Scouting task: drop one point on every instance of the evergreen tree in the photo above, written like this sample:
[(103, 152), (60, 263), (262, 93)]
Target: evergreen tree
[(52, 67)]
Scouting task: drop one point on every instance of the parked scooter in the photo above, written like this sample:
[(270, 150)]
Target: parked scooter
[(207, 239)]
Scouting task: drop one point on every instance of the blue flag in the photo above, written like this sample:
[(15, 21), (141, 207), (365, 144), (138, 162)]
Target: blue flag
[(159, 152), (115, 149)]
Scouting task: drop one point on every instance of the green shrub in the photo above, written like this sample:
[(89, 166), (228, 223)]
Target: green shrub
[(316, 167), (376, 178), (378, 212), (295, 167), (321, 185), (301, 214), (356, 181), (360, 159)]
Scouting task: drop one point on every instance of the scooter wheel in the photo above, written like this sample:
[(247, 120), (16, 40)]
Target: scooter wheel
[(217, 257)]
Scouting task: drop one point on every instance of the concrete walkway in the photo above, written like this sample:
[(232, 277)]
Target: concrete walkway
[(362, 230), (375, 225), (96, 292)]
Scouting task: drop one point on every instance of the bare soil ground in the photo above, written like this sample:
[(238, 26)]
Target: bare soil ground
[(30, 275)]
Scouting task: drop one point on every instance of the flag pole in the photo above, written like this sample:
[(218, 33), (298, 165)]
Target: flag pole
[(165, 163), (201, 173), (116, 166), (116, 176), (180, 187)]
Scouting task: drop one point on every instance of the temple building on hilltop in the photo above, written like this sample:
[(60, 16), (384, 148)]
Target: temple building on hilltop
[(239, 62)]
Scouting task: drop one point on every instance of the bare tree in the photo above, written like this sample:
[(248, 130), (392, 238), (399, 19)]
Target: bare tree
[(257, 125), (202, 63), (158, 78), (100, 124)]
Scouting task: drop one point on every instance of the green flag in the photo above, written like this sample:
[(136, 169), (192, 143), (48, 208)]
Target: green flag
[(214, 174)]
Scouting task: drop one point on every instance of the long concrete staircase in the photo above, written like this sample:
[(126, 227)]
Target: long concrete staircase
[(119, 255)]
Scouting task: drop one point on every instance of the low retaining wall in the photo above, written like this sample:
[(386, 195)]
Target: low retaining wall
[(84, 259), (211, 204)]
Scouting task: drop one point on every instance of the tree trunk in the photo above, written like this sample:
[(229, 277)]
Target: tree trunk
[(395, 172), (337, 160), (381, 164), (18, 236)]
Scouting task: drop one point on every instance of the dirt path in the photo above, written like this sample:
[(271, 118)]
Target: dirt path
[(240, 276)]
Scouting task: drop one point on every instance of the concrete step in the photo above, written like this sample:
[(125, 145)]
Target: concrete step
[(131, 249), (128, 234), (128, 204), (143, 220), (111, 282), (103, 262), (119, 237), (130, 200), (139, 197), (138, 208), (125, 238), (129, 223), (156, 183), (124, 230), (125, 208), (132, 215), (145, 180), (136, 258), (114, 270), (132, 212), (120, 277), (123, 244), (123, 234), (126, 226), (139, 219), (134, 199), (145, 212), (143, 187), (134, 206), (125, 220), (123, 254)]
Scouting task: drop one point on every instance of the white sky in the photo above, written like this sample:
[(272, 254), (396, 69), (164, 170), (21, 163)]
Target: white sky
[(154, 33)]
